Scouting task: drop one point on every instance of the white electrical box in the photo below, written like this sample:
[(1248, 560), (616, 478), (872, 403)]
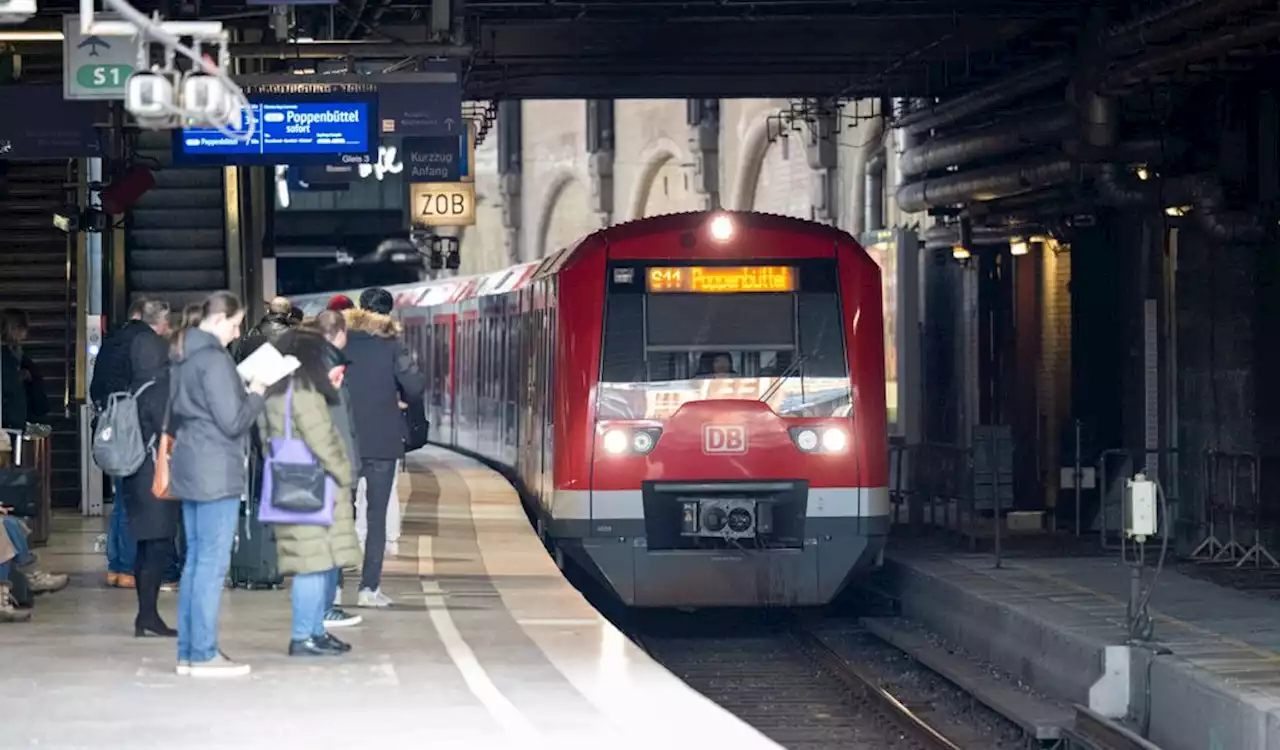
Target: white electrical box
[(1140, 507)]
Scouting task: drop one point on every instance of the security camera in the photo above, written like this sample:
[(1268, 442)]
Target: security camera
[(206, 96), (149, 97), (14, 12)]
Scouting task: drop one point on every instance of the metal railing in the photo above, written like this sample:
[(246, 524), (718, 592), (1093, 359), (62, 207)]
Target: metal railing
[(1232, 510), (960, 491)]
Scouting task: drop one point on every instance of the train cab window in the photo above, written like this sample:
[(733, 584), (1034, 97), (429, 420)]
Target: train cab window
[(671, 343)]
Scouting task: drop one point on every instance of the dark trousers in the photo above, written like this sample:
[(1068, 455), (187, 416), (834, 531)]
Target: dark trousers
[(379, 475), (155, 556)]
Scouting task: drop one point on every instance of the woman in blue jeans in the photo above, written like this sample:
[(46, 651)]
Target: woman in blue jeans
[(211, 414)]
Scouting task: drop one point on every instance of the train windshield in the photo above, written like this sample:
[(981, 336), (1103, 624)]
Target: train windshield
[(679, 334)]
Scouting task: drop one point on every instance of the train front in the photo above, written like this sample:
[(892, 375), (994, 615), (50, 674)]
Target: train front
[(738, 446)]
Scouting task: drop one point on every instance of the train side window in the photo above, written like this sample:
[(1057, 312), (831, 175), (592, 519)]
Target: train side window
[(623, 360), (821, 338)]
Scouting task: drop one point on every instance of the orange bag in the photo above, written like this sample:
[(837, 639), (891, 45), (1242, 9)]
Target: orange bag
[(160, 481)]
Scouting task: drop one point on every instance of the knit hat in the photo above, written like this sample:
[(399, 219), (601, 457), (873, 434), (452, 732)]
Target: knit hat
[(340, 302)]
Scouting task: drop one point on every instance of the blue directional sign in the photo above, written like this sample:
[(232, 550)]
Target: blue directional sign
[(40, 124), (426, 102), (291, 130)]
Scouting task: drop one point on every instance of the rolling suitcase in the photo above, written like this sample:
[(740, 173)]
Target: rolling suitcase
[(254, 564)]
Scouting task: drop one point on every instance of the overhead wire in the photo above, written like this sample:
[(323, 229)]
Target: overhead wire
[(151, 30)]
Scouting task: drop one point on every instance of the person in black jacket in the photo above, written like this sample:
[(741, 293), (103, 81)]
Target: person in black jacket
[(21, 386), (274, 324), (380, 376), (153, 522), (111, 375)]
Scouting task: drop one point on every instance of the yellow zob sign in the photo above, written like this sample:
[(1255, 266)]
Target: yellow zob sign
[(443, 204)]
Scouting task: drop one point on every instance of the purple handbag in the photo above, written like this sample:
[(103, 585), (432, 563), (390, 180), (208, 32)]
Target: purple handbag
[(292, 480)]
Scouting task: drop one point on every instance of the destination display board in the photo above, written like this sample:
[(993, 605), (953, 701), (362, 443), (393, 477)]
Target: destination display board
[(720, 279), (291, 129)]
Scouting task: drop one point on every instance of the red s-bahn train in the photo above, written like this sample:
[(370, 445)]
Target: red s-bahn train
[(694, 403)]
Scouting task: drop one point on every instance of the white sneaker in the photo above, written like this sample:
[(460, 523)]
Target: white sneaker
[(337, 618), (373, 599), (46, 583), (218, 666), (184, 668)]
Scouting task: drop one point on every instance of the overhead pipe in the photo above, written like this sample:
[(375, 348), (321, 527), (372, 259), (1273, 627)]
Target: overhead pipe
[(1174, 19), (353, 49), (942, 236), (1162, 24), (985, 184), (1203, 192), (874, 189), (1004, 91), (1170, 58), (1003, 139)]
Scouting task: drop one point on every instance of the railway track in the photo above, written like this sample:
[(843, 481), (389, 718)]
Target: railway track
[(796, 689)]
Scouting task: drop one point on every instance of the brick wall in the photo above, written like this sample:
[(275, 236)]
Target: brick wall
[(1053, 387)]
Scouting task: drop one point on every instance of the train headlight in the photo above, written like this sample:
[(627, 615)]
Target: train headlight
[(721, 228), (642, 442), (807, 440), (616, 442), (834, 440)]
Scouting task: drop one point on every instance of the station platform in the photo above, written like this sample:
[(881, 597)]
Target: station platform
[(1209, 680), (488, 647)]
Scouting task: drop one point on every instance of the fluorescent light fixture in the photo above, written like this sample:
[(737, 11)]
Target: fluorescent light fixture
[(30, 36)]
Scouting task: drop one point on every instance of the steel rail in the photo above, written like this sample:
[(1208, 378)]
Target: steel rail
[(857, 681)]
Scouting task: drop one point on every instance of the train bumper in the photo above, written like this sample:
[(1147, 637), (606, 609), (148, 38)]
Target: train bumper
[(837, 552)]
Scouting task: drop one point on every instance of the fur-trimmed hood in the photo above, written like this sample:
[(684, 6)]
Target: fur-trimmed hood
[(371, 322)]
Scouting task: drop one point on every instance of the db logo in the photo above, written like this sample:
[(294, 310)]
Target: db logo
[(723, 438)]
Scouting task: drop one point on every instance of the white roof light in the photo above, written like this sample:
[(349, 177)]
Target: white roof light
[(721, 228)]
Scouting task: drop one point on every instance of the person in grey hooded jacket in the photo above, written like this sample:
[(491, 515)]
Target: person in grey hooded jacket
[(211, 415)]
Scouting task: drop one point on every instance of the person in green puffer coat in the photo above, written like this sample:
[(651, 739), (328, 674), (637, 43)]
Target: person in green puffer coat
[(313, 555)]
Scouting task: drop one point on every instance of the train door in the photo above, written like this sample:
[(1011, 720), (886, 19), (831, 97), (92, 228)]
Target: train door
[(450, 360), (512, 388), (548, 392), (529, 388)]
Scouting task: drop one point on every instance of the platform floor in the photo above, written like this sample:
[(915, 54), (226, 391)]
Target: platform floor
[(1210, 680), (489, 647)]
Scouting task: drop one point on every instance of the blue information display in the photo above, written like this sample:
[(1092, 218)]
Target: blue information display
[(292, 129)]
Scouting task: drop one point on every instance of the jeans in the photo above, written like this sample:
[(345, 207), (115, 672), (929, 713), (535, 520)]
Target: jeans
[(120, 545), (311, 593), (18, 535), (210, 530), (380, 475)]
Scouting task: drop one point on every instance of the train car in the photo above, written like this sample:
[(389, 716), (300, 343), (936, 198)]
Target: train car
[(693, 403)]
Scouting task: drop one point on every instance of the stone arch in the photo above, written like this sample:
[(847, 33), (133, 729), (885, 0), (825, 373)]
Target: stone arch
[(558, 227), (755, 144), (657, 156)]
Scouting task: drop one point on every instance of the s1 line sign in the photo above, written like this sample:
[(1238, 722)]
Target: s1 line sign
[(291, 129)]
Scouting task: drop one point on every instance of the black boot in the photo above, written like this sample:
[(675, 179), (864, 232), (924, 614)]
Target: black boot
[(312, 647), (155, 629)]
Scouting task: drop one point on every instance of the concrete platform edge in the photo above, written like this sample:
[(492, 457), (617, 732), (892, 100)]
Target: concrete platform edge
[(1190, 708), (1031, 649)]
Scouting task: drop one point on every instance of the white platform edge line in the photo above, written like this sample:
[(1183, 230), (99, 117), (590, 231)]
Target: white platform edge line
[(473, 673)]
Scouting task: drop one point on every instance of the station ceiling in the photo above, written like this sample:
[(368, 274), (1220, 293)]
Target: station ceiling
[(695, 48)]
